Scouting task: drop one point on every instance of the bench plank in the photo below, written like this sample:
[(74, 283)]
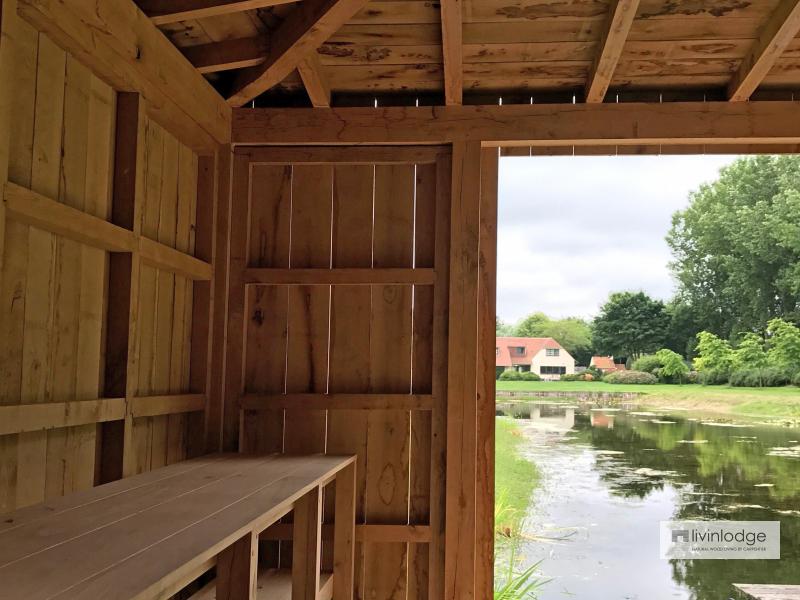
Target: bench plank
[(152, 551), (768, 592)]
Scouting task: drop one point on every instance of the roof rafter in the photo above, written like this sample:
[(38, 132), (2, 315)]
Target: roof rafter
[(228, 54), (775, 37), (317, 88), (615, 34), (170, 11), (452, 51), (304, 30)]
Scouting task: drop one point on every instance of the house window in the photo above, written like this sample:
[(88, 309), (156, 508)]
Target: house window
[(519, 350), (497, 351), (552, 352), (547, 370)]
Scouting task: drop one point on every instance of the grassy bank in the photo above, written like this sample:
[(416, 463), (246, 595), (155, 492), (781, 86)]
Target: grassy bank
[(751, 402), (515, 477)]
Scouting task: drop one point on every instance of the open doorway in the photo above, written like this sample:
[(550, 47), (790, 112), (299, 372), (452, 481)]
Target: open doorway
[(647, 364)]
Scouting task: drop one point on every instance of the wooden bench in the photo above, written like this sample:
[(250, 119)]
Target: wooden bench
[(150, 535), (749, 591)]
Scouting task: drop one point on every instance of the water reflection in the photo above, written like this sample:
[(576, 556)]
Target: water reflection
[(611, 476)]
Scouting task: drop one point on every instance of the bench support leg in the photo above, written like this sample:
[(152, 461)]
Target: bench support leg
[(344, 533), (237, 568), (306, 545)]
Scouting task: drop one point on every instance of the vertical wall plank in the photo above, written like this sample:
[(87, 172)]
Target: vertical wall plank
[(390, 365), (236, 570), (462, 383), (350, 325), (307, 346), (440, 371), (487, 301)]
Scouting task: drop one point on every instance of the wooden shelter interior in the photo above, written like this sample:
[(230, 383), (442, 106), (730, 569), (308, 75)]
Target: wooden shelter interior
[(269, 226)]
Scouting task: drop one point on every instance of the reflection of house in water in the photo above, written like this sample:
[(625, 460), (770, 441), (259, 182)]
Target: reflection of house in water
[(601, 420), (557, 416)]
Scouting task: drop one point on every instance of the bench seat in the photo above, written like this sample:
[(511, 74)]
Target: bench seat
[(149, 535)]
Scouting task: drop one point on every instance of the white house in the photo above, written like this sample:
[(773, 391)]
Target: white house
[(544, 356)]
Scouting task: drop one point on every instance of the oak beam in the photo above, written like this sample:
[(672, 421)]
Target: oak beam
[(163, 12), (21, 418), (620, 19), (154, 406), (452, 51), (622, 124), (169, 259), (227, 55), (122, 46), (779, 31), (317, 88), (304, 30)]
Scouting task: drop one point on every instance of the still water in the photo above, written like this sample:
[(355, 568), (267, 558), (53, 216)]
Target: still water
[(609, 477)]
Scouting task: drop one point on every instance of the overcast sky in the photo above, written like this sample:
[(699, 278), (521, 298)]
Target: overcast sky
[(573, 229)]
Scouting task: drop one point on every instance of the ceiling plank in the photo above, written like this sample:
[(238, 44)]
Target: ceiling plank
[(305, 29), (452, 51), (123, 47), (226, 55), (623, 124), (315, 82), (775, 37), (163, 12), (620, 20)]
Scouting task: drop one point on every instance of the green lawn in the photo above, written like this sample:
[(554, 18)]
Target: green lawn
[(755, 402), (515, 477)]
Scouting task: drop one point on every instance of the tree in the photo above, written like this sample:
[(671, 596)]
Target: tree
[(784, 345), (574, 334), (736, 248), (501, 328), (713, 353), (532, 325), (672, 365), (750, 354), (630, 324)]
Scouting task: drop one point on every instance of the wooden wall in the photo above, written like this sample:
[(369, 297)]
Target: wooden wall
[(103, 307)]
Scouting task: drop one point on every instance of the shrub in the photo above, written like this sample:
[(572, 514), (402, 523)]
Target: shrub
[(595, 373), (636, 377), (769, 377), (530, 376), (583, 376), (796, 379), (510, 375), (713, 377), (649, 363), (693, 377)]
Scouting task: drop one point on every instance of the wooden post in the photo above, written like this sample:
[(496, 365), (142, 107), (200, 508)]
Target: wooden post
[(306, 545), (344, 533), (487, 302), (237, 568), (116, 457), (462, 390)]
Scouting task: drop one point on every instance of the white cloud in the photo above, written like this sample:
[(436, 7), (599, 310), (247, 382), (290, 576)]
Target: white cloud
[(574, 229)]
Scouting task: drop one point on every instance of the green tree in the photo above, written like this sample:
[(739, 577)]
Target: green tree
[(713, 353), (501, 328), (532, 325), (672, 365), (750, 353), (736, 248), (630, 324), (784, 345), (573, 333)]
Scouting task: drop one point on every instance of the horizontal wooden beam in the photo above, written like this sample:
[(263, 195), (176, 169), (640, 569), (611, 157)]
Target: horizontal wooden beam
[(122, 46), (336, 401), (352, 155), (153, 406), (376, 534), (31, 208), (226, 55), (258, 276), (163, 12), (776, 35), (621, 124), (20, 418), (175, 261)]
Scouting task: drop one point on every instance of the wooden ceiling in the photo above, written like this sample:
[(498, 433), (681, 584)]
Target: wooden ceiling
[(401, 52)]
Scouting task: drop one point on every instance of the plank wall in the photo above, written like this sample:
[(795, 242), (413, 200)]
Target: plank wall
[(353, 367), (66, 272)]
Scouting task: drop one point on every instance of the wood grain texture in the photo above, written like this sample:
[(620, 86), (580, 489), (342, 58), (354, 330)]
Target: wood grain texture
[(162, 12), (315, 81), (452, 51), (612, 42)]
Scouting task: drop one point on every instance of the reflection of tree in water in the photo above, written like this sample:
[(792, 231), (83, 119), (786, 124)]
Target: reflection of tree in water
[(716, 474)]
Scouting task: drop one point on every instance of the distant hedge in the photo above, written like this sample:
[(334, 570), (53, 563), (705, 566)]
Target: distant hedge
[(768, 377), (634, 377)]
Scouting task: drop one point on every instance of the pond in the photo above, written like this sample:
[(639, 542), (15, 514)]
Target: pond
[(610, 476)]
